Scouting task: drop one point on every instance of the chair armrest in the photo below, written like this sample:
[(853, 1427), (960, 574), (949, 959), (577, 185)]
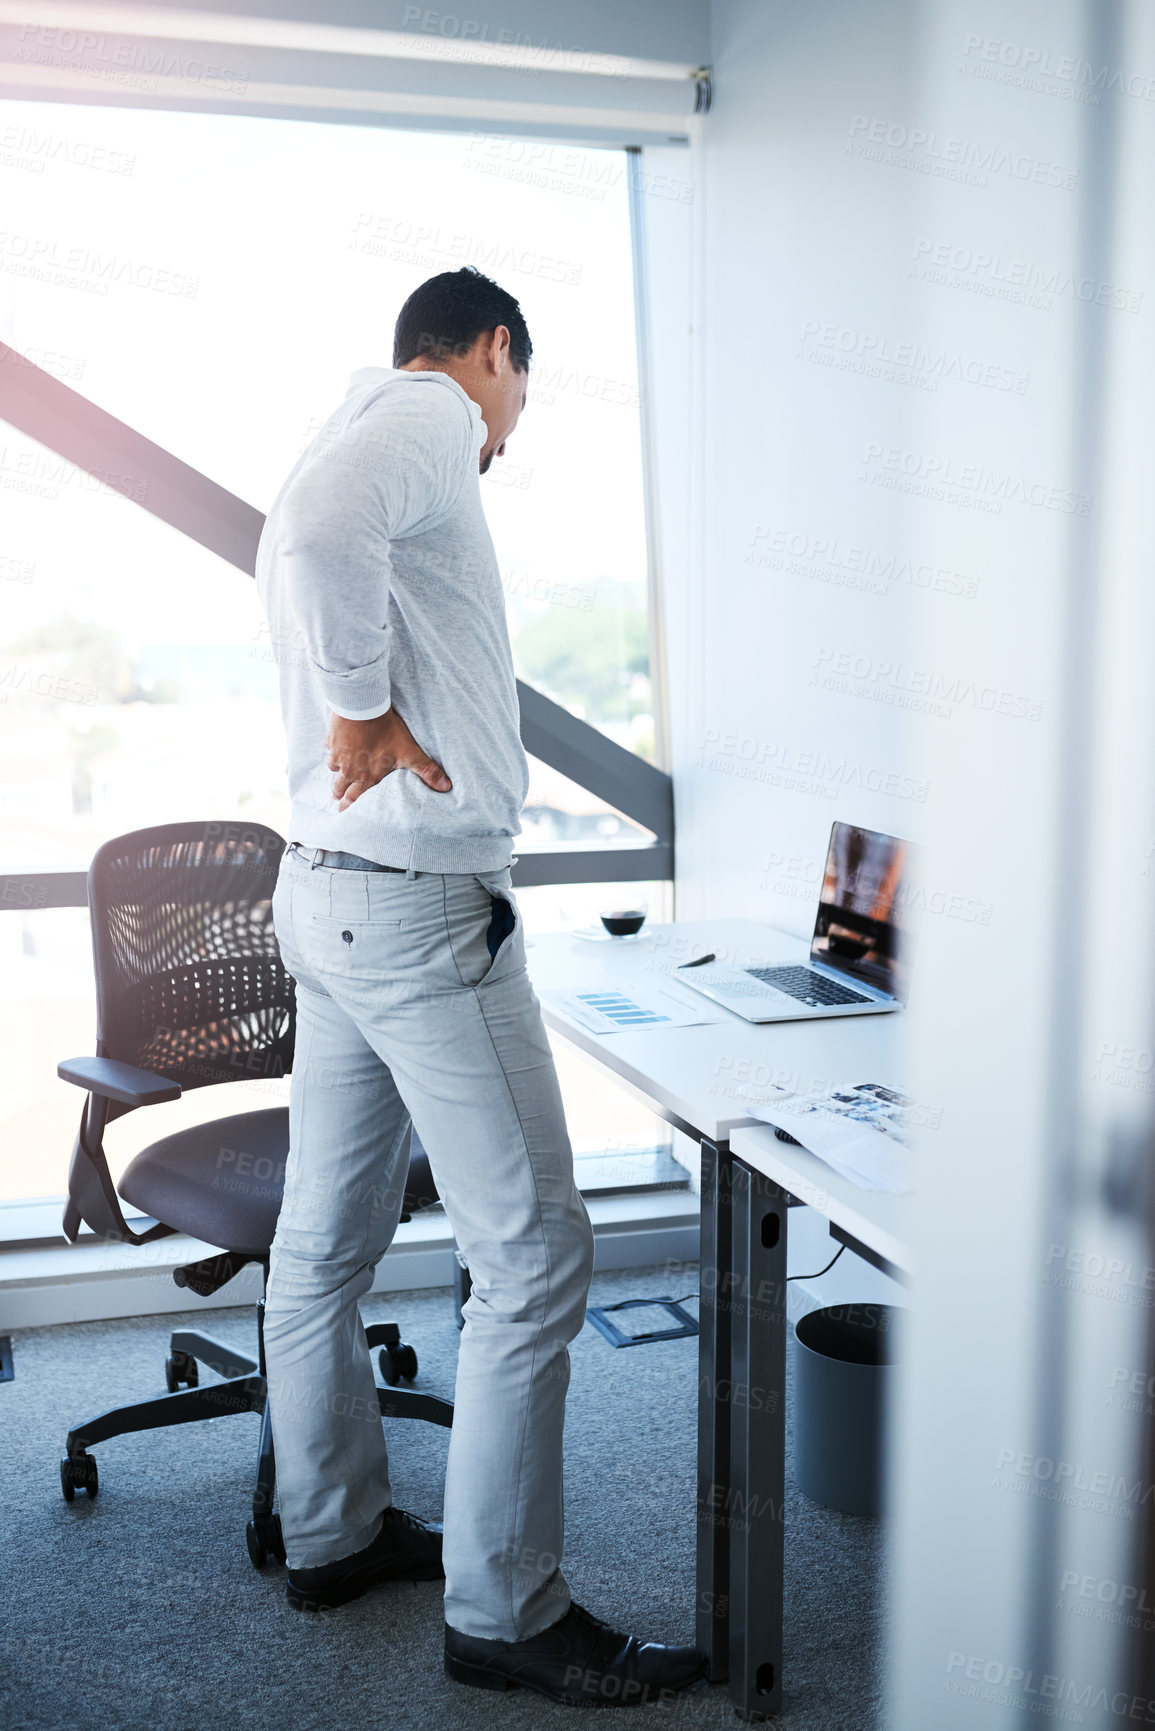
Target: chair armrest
[(121, 1082)]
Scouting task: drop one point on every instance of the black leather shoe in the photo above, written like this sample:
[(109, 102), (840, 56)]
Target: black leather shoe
[(405, 1549), (577, 1661)]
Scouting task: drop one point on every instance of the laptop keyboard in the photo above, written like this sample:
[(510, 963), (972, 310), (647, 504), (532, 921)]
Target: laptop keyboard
[(807, 986)]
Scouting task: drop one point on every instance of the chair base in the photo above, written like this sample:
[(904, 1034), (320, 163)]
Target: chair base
[(243, 1389)]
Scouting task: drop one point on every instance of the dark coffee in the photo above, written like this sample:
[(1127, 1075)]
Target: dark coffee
[(624, 922)]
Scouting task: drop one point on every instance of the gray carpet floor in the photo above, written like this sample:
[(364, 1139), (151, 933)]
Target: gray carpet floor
[(141, 1610)]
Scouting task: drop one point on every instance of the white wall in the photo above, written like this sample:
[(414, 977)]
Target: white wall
[(861, 528), (795, 234)]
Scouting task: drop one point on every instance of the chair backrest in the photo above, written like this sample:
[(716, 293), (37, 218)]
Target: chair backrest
[(189, 979)]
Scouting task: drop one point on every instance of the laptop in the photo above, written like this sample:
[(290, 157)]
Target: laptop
[(857, 966)]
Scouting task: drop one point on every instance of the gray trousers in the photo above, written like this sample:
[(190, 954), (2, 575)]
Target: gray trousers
[(403, 1014)]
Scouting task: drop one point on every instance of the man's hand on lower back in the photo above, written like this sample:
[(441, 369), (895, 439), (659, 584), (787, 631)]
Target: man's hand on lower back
[(362, 753)]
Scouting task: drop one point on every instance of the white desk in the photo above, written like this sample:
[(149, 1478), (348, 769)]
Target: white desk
[(696, 1079), (870, 1219), (693, 1077)]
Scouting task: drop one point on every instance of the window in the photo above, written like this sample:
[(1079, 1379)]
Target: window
[(212, 280)]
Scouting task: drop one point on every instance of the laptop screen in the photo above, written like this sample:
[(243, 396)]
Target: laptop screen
[(859, 929)]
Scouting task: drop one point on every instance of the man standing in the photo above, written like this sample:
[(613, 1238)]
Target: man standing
[(396, 919)]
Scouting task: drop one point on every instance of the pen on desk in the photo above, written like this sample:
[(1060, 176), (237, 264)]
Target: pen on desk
[(699, 961)]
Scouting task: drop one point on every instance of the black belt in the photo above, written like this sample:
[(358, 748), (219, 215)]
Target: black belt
[(348, 862)]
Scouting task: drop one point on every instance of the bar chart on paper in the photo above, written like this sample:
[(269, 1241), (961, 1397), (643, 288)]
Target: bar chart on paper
[(611, 1010), (621, 1010)]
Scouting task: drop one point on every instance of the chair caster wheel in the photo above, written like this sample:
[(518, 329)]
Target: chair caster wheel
[(78, 1473), (397, 1362), (263, 1537), (181, 1367)]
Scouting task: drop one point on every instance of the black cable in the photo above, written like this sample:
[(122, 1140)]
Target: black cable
[(821, 1271), (686, 1296)]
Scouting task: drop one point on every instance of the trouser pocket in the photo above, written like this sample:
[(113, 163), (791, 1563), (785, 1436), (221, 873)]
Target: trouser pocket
[(483, 925), (502, 923), (503, 936)]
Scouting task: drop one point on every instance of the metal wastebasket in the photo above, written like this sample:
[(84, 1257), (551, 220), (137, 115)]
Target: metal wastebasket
[(843, 1371)]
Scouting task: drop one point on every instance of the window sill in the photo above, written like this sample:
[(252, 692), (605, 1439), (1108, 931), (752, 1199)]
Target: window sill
[(95, 1282), (33, 1223)]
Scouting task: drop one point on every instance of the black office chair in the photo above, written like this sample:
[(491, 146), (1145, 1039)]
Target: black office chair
[(190, 990)]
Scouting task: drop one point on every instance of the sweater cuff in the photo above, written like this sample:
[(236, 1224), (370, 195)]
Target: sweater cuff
[(347, 714), (359, 696)]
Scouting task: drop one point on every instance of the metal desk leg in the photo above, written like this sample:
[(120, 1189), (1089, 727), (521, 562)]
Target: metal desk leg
[(757, 1442), (715, 1298)]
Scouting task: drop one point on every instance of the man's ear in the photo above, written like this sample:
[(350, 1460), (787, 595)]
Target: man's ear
[(499, 349)]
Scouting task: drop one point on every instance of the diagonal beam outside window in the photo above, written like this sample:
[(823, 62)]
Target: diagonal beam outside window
[(73, 427), (55, 415)]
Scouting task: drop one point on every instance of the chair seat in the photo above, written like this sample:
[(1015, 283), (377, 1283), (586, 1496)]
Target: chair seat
[(220, 1182)]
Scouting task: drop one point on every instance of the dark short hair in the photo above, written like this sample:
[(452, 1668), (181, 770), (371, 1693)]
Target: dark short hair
[(447, 314)]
